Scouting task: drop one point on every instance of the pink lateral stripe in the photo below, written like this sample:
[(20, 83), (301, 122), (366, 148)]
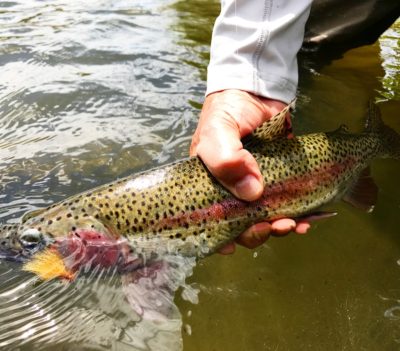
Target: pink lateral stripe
[(274, 196)]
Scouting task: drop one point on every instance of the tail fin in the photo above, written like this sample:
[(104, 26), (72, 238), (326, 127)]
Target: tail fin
[(390, 138)]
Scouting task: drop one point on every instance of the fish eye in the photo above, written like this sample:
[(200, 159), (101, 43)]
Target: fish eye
[(31, 238)]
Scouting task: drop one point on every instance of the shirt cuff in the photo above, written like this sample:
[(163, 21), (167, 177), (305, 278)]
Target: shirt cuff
[(268, 85)]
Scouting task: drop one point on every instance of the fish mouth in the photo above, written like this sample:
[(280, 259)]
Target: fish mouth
[(8, 249), (8, 254)]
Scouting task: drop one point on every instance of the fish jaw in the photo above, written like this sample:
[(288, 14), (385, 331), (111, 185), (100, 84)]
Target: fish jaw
[(9, 246)]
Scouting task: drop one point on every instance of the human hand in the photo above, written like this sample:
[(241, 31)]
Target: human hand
[(227, 116)]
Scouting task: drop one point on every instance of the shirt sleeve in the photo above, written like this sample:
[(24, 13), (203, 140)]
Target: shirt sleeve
[(254, 47)]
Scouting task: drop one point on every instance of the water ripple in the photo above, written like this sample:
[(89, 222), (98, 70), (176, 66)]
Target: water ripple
[(88, 92)]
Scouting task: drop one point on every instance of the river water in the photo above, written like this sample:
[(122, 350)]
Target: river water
[(93, 91)]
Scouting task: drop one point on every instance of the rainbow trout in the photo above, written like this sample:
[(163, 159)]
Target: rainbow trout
[(181, 209)]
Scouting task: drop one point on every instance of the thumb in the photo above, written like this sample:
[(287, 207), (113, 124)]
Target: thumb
[(222, 152)]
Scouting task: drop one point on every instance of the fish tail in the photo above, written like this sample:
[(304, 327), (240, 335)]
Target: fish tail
[(390, 139)]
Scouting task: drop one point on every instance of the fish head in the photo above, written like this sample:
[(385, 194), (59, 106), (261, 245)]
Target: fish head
[(62, 252), (19, 243)]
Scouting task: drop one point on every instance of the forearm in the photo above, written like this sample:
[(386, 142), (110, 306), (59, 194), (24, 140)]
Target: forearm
[(254, 47)]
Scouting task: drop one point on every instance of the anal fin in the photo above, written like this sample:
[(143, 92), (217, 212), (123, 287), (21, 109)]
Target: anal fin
[(363, 193)]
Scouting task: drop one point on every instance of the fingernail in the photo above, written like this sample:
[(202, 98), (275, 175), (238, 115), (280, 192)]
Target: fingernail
[(248, 188)]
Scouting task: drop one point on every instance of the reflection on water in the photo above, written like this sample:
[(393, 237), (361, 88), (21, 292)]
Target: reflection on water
[(92, 91), (92, 312), (390, 53), (88, 92), (54, 312), (85, 86)]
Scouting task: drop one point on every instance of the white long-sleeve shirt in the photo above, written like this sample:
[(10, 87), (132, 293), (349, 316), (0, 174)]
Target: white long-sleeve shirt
[(254, 47)]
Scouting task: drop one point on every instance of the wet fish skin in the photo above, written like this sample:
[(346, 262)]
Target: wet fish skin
[(181, 208)]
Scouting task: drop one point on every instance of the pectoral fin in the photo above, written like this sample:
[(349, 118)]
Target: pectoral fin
[(150, 289)]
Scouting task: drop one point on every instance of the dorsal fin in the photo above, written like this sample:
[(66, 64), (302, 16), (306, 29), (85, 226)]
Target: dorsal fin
[(31, 214), (373, 123), (363, 193), (275, 127), (343, 129)]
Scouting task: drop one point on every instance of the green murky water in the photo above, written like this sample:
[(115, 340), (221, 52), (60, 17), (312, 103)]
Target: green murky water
[(92, 91)]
